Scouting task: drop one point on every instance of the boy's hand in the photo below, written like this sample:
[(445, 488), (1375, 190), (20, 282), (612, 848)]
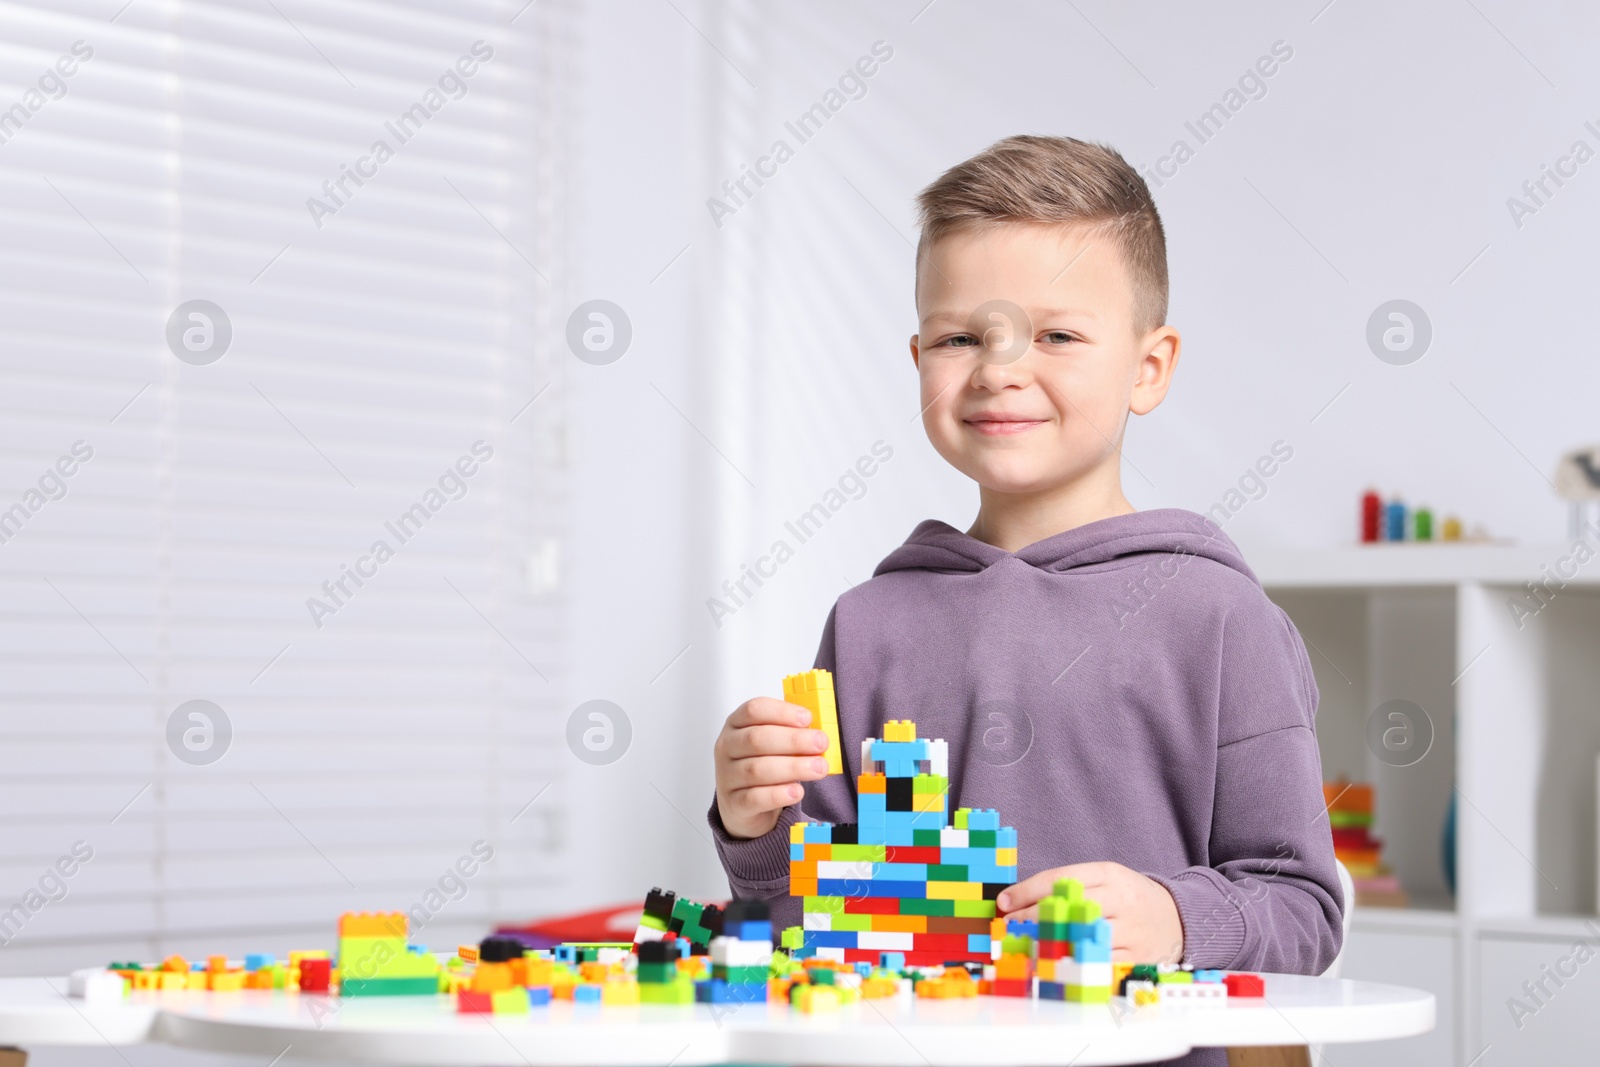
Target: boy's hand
[(1145, 927), (762, 755)]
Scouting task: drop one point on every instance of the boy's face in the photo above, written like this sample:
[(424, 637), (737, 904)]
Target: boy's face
[(1028, 356)]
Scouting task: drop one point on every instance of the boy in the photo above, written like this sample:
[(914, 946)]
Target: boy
[(1115, 682)]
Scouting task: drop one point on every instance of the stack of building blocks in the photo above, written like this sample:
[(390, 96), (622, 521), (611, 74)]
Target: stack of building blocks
[(1015, 950), (656, 921), (741, 956), (496, 984), (813, 690), (904, 878), (1074, 946), (1350, 814), (661, 980), (374, 959)]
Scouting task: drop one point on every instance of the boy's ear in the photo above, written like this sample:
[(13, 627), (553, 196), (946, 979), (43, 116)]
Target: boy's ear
[(916, 351), (1161, 348)]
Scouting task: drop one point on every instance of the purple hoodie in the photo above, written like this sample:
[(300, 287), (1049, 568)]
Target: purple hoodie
[(1121, 691)]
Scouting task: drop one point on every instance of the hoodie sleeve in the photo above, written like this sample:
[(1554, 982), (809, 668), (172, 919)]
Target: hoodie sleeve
[(758, 867), (1271, 899)]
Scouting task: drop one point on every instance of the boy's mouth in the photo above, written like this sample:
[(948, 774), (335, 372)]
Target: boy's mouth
[(996, 424)]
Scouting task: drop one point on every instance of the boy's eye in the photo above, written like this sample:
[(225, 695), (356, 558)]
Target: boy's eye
[(960, 340), (1058, 337)]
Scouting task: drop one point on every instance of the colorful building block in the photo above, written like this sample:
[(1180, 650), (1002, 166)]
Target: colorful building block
[(813, 690)]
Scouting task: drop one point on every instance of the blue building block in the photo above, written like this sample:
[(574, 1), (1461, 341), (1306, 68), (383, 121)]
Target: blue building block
[(1091, 952), (538, 995), (983, 819), (1023, 928), (874, 803), (254, 961), (586, 993), (797, 851), (892, 961), (718, 991), (909, 751), (819, 833), (900, 872), (1207, 976), (1006, 837), (1052, 990), (754, 930), (828, 938), (872, 833), (978, 943)]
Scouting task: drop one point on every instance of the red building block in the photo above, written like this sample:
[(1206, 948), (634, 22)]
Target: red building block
[(314, 975), (1244, 985), (470, 1003)]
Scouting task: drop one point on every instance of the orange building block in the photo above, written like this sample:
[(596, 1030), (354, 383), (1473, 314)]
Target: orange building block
[(373, 924)]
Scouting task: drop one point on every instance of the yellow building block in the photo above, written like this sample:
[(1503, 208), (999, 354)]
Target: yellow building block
[(619, 991), (936, 802), (509, 1001), (195, 980), (811, 999), (955, 890), (813, 690), (373, 924), (1005, 857), (491, 978), (877, 988), (899, 730), (797, 833), (226, 981)]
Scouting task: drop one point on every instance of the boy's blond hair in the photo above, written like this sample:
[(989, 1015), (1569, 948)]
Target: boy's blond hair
[(1056, 180)]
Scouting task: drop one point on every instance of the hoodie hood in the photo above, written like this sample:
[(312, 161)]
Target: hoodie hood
[(938, 546)]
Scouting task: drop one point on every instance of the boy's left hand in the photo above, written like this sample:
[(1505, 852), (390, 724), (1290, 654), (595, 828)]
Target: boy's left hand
[(1145, 927)]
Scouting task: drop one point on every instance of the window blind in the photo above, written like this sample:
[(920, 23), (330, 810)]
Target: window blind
[(279, 630)]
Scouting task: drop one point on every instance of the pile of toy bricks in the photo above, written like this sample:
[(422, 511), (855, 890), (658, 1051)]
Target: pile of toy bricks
[(905, 878), (375, 958), (1148, 983), (1350, 814)]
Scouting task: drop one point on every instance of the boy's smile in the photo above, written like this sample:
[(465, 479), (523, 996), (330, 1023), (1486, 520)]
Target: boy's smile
[(1030, 361)]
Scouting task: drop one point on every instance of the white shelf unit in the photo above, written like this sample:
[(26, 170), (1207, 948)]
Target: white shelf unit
[(1515, 708)]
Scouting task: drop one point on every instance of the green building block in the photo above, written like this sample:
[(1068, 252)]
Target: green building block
[(388, 987)]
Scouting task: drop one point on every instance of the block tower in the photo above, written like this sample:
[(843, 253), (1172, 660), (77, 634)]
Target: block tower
[(375, 960), (1074, 946), (905, 878)]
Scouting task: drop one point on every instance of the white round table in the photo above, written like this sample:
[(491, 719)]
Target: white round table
[(37, 1011), (984, 1032)]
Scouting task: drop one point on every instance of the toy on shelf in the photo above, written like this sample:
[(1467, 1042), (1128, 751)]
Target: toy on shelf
[(1393, 523), (1349, 807)]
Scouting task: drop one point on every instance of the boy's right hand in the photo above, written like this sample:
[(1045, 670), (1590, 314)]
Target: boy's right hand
[(764, 752)]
